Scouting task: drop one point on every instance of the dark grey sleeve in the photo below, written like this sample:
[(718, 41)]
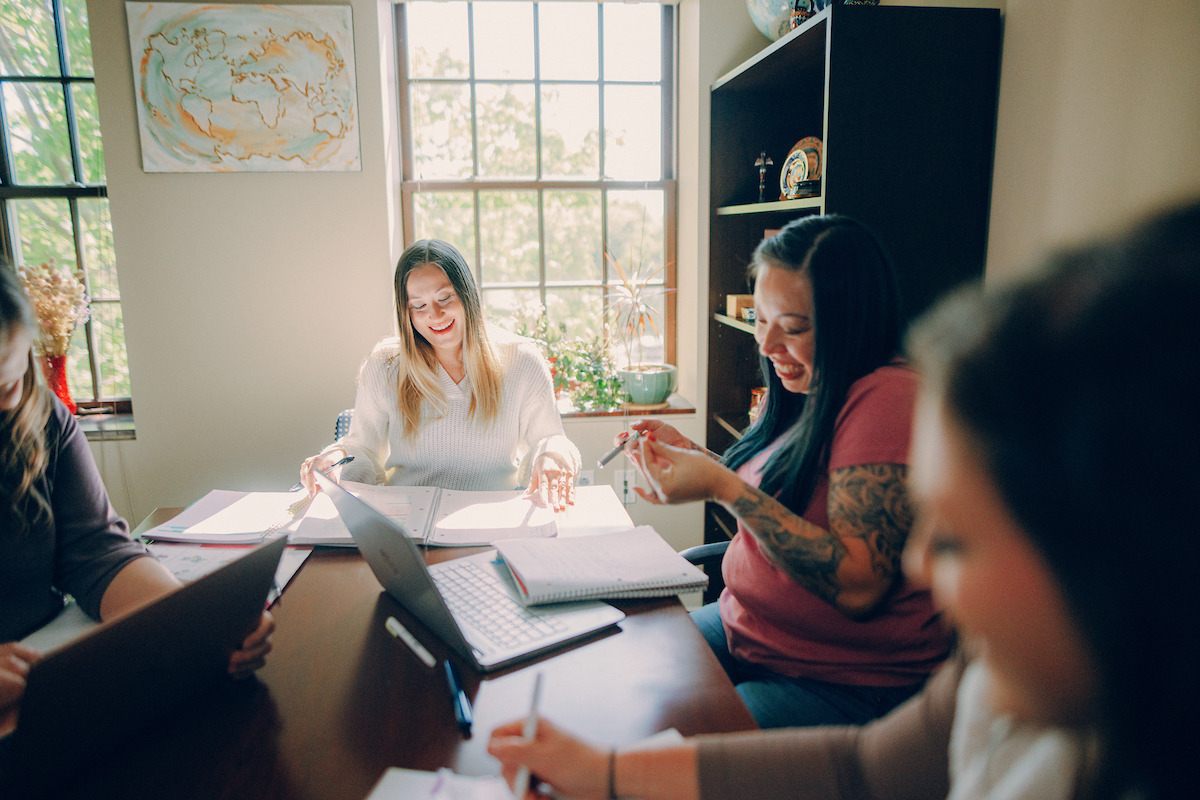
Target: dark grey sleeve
[(92, 543), (903, 756)]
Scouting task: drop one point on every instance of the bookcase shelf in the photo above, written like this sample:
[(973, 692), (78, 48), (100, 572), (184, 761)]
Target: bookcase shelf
[(903, 100), (724, 319), (769, 206)]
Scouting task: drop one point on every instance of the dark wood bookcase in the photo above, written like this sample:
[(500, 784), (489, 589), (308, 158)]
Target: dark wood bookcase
[(904, 102)]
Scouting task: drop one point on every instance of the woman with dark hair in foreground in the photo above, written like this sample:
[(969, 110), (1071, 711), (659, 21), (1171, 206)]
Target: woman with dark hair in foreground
[(816, 625), (1054, 462)]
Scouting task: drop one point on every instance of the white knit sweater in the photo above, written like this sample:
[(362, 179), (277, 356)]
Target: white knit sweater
[(454, 451)]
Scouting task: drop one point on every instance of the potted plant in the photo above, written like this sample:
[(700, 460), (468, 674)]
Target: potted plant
[(60, 302), (632, 318), (582, 369)]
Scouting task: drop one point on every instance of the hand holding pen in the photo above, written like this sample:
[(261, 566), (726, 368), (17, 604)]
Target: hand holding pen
[(641, 429), (326, 462)]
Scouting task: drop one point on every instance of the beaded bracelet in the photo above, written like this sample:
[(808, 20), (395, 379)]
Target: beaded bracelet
[(612, 773)]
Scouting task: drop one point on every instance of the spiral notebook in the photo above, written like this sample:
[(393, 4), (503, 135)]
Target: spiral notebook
[(632, 563)]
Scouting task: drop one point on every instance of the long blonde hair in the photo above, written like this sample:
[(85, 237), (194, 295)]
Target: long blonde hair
[(23, 451), (417, 378)]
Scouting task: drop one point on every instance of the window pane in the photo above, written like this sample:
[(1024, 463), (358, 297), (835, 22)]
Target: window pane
[(508, 236), (441, 130), (570, 131), (438, 46), (508, 307), (505, 127), (581, 310), (95, 226), (636, 240), (635, 231), (633, 133), (572, 222), (648, 347), (632, 42), (503, 40), (37, 129), (27, 43), (87, 123), (79, 42), (449, 216), (44, 231), (79, 374), (567, 41), (111, 359)]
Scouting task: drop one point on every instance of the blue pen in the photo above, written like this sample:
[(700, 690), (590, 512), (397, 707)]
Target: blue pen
[(462, 706)]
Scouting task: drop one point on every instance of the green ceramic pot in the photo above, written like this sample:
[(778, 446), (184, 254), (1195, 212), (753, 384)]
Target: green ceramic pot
[(649, 384)]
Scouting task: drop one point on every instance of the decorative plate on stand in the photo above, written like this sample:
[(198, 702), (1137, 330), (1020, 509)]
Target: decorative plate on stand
[(801, 173)]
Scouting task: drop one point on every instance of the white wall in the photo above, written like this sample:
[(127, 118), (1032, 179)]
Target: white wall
[(249, 299), (1099, 121)]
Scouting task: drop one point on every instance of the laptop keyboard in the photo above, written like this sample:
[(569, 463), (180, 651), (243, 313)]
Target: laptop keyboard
[(476, 596)]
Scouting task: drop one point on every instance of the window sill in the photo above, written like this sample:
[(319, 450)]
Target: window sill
[(107, 427), (676, 404)]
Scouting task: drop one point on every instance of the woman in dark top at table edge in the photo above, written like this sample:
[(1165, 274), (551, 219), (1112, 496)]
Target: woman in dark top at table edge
[(59, 534)]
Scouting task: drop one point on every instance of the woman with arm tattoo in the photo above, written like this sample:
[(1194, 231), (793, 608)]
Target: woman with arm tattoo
[(816, 624)]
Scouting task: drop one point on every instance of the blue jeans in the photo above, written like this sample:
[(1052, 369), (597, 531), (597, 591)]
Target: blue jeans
[(777, 701)]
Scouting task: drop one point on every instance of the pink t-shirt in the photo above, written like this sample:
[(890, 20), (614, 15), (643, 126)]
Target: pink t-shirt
[(773, 621)]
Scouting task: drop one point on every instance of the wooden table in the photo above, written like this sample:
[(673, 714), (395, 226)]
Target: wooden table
[(340, 700)]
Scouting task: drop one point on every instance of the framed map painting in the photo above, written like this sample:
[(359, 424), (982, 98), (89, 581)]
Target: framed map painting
[(244, 88)]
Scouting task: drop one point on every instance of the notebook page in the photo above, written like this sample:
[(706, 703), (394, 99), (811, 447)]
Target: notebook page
[(409, 506), (467, 518)]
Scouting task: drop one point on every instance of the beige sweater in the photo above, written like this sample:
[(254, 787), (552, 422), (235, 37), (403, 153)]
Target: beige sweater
[(904, 756), (455, 450), (945, 742)]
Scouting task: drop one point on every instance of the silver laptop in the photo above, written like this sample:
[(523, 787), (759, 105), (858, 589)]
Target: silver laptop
[(469, 603), (99, 690)]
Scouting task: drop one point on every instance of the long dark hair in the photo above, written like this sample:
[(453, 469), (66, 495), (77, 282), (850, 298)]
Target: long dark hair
[(23, 452), (857, 324), (1081, 389)]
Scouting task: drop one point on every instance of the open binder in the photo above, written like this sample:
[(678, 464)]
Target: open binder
[(432, 516)]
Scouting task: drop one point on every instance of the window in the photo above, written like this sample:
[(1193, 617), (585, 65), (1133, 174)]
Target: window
[(53, 199), (537, 138)]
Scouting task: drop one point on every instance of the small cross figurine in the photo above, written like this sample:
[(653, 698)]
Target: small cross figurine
[(762, 163)]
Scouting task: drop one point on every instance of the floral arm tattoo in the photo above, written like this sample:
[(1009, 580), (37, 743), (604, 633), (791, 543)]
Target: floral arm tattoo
[(867, 502)]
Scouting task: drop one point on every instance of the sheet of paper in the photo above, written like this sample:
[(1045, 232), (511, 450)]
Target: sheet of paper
[(408, 784), (253, 513), (597, 509), (69, 625), (199, 511), (191, 561), (487, 517)]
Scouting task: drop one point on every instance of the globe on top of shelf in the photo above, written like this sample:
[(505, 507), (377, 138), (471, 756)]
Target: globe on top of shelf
[(774, 17)]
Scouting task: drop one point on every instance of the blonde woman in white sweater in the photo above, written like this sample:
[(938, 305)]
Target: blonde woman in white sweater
[(448, 403)]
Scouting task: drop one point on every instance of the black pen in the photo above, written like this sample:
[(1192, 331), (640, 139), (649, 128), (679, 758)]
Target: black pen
[(462, 706), (611, 454), (339, 463)]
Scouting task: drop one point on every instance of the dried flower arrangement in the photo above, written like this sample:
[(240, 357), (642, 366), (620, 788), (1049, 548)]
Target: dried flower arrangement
[(60, 301)]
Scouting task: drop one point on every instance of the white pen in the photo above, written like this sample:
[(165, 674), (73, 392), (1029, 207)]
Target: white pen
[(521, 784), (400, 632)]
